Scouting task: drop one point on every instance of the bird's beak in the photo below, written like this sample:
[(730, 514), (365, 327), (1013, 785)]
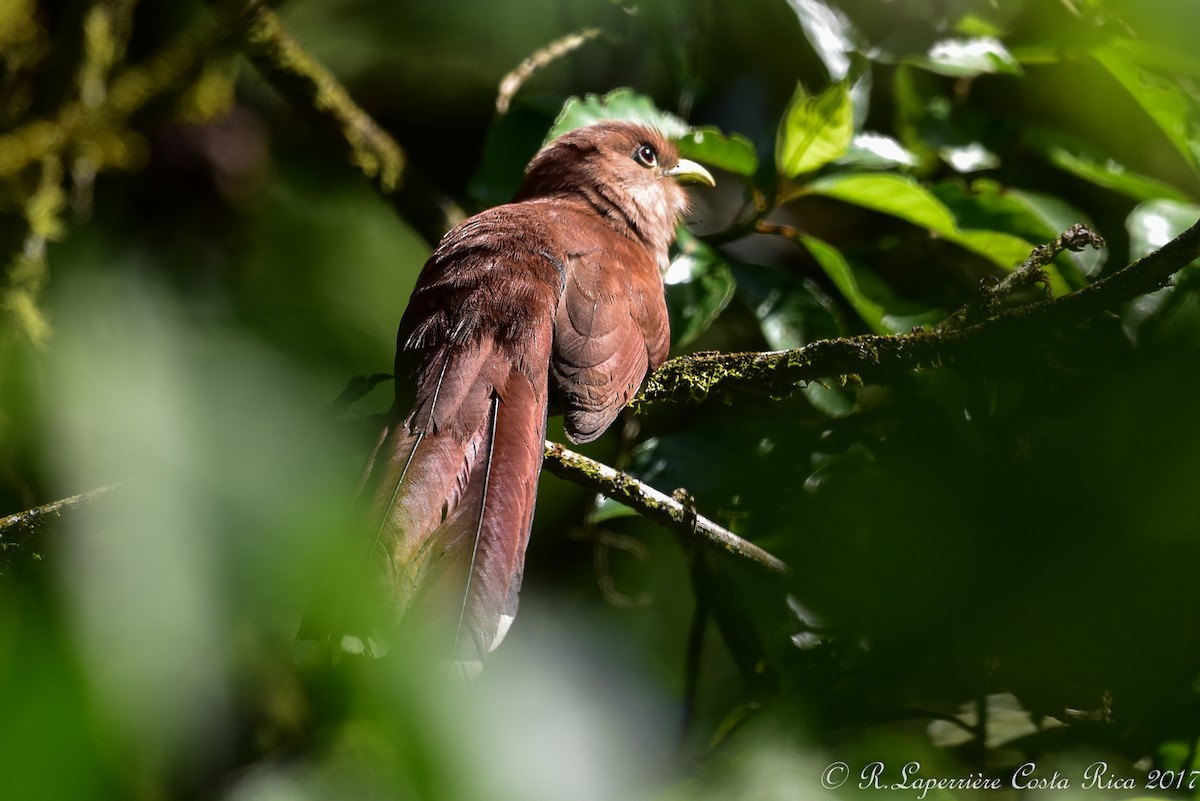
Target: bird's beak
[(689, 172)]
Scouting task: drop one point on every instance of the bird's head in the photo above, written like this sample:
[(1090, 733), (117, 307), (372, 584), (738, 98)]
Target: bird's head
[(630, 173)]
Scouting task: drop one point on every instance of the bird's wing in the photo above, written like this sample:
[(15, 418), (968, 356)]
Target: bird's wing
[(610, 331)]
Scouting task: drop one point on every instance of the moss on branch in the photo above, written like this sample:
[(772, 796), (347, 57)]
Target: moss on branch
[(696, 377)]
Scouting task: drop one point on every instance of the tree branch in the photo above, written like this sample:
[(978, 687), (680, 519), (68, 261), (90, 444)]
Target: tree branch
[(652, 504), (513, 81), (693, 378), (312, 89), (1031, 271), (32, 519)]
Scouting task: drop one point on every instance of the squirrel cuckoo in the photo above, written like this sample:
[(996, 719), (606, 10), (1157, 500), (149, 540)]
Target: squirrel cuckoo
[(553, 302)]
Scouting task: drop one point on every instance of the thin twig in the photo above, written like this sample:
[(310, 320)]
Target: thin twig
[(32, 519), (513, 81), (652, 504), (1031, 271)]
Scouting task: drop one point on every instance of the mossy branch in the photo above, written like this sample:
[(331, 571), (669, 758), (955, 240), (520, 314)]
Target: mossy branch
[(312, 89), (15, 527), (309, 85), (693, 378)]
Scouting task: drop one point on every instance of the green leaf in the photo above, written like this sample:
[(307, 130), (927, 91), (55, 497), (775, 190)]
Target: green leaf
[(961, 58), (792, 311), (888, 193), (1057, 216), (815, 130), (975, 25), (712, 148), (699, 285), (906, 199), (1037, 54), (969, 157), (834, 264), (915, 94), (986, 206), (619, 104), (511, 140), (1156, 55), (841, 49), (831, 34), (878, 151), (876, 305), (1151, 225), (1080, 160), (1175, 114), (1155, 223), (1002, 249)]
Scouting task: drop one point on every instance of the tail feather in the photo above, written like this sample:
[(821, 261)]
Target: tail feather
[(452, 488)]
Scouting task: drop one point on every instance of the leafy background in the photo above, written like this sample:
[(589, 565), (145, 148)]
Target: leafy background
[(187, 292)]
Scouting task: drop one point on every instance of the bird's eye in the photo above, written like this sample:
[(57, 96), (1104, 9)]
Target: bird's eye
[(646, 156)]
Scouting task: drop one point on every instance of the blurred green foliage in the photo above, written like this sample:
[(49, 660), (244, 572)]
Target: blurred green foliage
[(190, 283)]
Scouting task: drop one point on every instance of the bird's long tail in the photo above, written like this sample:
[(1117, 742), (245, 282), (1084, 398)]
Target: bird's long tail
[(452, 489)]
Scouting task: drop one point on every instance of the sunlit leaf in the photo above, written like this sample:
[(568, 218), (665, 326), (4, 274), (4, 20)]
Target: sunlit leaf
[(878, 151), (1006, 719), (619, 104), (879, 309), (1151, 225), (830, 33), (976, 25), (838, 44), (967, 57), (1175, 114), (706, 144), (1157, 55), (971, 157), (1030, 55), (888, 193), (906, 199), (815, 130), (699, 285), (792, 311), (1030, 217), (712, 148), (1155, 223), (1082, 161)]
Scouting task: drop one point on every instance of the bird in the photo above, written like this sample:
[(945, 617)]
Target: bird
[(550, 304)]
